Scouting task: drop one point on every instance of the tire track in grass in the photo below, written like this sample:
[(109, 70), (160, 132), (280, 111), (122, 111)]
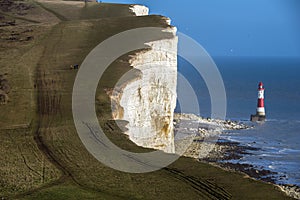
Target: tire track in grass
[(204, 187), (44, 115), (48, 107), (59, 16)]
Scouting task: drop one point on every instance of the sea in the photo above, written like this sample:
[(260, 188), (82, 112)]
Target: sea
[(277, 141)]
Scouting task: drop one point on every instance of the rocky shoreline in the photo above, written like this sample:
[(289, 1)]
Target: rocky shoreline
[(193, 135), (191, 131)]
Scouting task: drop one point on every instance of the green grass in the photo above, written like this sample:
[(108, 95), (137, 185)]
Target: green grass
[(23, 166), (78, 10), (69, 191)]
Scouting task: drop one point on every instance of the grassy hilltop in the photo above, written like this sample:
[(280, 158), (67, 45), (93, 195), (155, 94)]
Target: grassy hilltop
[(41, 154)]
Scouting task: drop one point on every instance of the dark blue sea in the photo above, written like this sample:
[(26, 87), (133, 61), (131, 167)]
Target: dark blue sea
[(278, 139)]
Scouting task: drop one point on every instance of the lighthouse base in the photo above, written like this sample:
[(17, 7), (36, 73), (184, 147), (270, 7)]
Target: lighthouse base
[(258, 118)]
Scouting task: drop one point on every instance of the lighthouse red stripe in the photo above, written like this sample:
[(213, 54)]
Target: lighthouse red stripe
[(260, 103)]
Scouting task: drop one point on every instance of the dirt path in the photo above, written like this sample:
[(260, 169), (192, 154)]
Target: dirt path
[(48, 104)]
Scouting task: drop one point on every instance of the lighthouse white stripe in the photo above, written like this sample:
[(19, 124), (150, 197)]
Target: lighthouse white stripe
[(261, 94), (260, 110)]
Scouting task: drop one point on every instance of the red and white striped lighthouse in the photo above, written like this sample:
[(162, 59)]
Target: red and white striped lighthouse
[(260, 110)]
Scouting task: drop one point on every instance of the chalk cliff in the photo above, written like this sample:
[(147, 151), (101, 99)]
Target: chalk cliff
[(139, 10), (148, 101)]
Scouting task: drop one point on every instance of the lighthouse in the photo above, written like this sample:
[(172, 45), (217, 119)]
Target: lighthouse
[(260, 110)]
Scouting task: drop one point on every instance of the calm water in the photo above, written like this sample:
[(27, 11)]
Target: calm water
[(278, 138)]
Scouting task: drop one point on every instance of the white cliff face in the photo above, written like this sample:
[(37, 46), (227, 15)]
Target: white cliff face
[(148, 102), (139, 10)]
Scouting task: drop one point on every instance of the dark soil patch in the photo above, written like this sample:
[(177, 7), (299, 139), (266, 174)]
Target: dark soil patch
[(19, 8)]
